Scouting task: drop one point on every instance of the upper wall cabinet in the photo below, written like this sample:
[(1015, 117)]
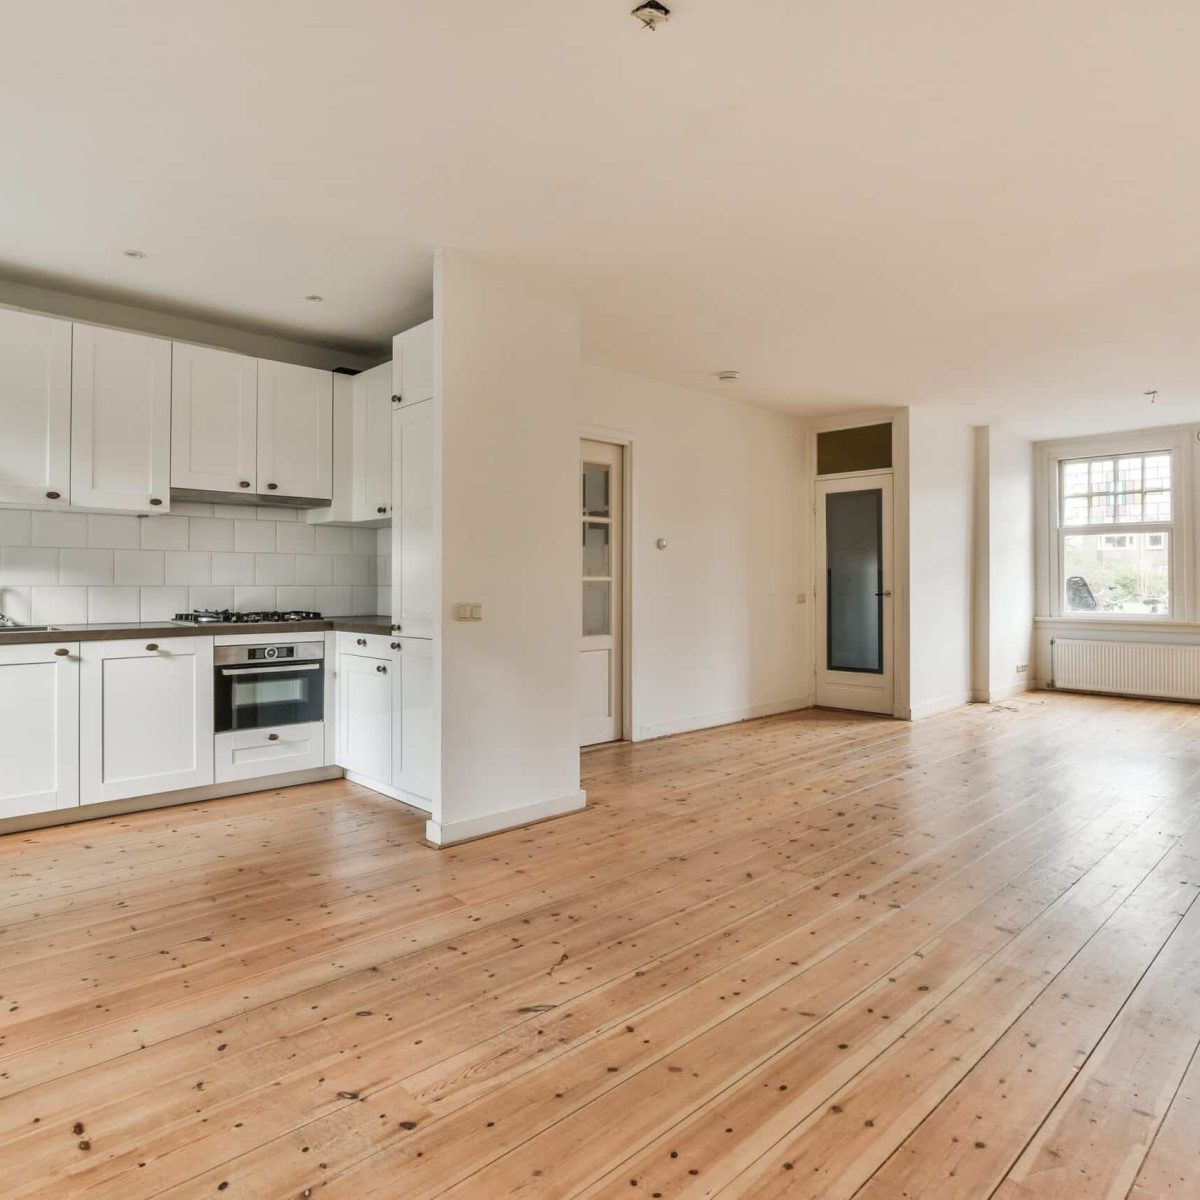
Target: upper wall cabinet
[(295, 431), (373, 444), (412, 364), (120, 421), (35, 410), (214, 431)]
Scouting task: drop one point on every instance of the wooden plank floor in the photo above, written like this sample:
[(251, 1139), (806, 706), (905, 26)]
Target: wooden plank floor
[(819, 955)]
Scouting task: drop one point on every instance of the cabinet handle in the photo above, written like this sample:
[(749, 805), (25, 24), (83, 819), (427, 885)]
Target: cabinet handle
[(397, 645), (272, 737), (361, 641), (62, 653), (54, 495), (152, 646), (244, 483), (381, 669), (397, 629), (397, 399), (272, 487), (156, 503), (381, 509)]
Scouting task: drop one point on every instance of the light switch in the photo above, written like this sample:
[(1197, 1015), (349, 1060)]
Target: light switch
[(468, 612)]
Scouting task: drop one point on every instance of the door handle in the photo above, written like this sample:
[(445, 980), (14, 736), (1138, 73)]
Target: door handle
[(883, 593)]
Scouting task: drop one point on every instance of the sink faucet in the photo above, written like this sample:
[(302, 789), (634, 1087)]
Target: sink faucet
[(4, 619)]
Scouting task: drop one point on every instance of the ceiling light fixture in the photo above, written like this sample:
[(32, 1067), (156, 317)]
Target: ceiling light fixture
[(1152, 393), (729, 376), (134, 253), (652, 13), (314, 298)]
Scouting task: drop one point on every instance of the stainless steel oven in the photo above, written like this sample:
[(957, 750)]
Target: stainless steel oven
[(257, 687)]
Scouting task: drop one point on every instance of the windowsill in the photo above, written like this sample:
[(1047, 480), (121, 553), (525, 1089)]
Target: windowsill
[(1119, 624)]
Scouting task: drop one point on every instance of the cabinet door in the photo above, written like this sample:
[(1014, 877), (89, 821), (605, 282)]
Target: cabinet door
[(412, 705), (35, 410), (413, 364), (39, 728), (120, 420), (255, 753), (214, 420), (373, 444), (295, 430), (146, 717), (364, 715), (414, 517)]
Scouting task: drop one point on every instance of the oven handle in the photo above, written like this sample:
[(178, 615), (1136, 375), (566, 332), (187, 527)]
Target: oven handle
[(270, 670)]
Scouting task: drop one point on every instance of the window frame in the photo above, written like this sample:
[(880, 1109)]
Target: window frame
[(1051, 579)]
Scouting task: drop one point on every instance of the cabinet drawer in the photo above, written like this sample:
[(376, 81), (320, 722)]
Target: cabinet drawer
[(373, 645), (253, 753)]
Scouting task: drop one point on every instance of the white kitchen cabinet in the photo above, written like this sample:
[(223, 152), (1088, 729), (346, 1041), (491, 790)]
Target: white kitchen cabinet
[(413, 353), (35, 410), (364, 715), (415, 536), (120, 421), (412, 717), (39, 728), (214, 420), (253, 753), (295, 431), (146, 717)]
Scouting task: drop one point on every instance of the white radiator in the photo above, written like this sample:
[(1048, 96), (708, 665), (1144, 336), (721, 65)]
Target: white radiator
[(1170, 671)]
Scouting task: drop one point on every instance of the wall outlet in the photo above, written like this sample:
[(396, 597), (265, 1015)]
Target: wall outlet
[(1022, 668)]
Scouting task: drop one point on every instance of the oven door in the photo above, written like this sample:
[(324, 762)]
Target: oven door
[(257, 697)]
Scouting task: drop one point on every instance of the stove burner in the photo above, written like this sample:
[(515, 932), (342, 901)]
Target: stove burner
[(223, 616)]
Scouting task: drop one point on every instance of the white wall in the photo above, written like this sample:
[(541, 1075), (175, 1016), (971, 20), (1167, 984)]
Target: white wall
[(510, 540), (940, 564), (1007, 637), (718, 633)]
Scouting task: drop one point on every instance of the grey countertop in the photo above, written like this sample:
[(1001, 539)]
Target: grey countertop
[(166, 629)]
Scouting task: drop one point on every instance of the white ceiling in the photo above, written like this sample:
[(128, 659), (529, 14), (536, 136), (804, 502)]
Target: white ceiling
[(990, 206)]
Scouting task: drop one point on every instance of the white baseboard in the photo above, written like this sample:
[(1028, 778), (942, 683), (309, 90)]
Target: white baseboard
[(932, 708), (643, 733), (1001, 693), (447, 833)]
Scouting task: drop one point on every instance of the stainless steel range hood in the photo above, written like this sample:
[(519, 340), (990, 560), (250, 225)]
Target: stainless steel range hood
[(269, 500)]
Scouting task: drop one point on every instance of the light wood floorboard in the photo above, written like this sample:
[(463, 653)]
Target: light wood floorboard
[(818, 955)]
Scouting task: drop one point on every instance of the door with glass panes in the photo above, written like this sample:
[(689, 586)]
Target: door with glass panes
[(854, 593), (600, 651)]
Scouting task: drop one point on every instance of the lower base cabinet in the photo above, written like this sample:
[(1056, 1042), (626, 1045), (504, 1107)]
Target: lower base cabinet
[(385, 712), (146, 717), (39, 728)]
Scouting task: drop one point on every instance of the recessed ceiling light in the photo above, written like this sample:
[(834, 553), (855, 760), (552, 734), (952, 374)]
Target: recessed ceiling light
[(729, 376), (651, 13), (135, 253), (314, 298)]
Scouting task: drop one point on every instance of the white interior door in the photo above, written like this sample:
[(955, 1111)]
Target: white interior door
[(854, 594), (600, 650)]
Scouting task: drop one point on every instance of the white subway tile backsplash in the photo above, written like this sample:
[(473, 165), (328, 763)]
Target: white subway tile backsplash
[(383, 600), (112, 605), (383, 540), (15, 527), (59, 606), (16, 603), (190, 567), (85, 568), (109, 568), (59, 529), (314, 568), (191, 508), (295, 539), (141, 568), (28, 564), (208, 533), (254, 537), (275, 569), (295, 597), (114, 533), (165, 533), (331, 539), (232, 568), (163, 603), (254, 599), (209, 597)]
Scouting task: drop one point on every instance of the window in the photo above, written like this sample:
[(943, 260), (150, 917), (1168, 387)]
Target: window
[(1119, 574)]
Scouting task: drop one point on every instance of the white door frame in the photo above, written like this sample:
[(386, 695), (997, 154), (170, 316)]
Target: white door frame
[(625, 441), (862, 692)]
